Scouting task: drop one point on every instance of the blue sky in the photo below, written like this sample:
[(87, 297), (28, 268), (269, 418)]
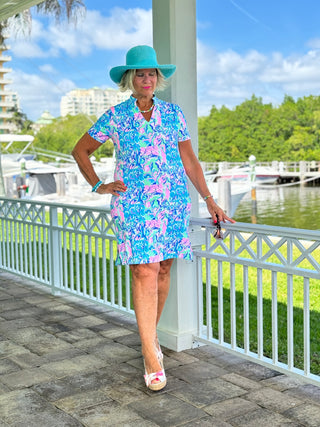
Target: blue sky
[(266, 47)]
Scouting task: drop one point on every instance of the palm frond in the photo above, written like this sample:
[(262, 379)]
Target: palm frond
[(71, 9)]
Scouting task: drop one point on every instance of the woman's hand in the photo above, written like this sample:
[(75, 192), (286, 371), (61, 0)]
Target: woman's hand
[(216, 211), (113, 188)]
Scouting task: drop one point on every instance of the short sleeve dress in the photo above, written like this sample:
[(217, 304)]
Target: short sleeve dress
[(152, 217)]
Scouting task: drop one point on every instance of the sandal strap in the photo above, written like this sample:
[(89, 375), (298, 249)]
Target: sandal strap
[(160, 376)]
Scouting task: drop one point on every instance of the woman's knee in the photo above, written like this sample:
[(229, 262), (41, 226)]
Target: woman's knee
[(144, 271), (165, 266)]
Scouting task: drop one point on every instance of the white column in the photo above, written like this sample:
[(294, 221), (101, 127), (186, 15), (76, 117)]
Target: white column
[(174, 39)]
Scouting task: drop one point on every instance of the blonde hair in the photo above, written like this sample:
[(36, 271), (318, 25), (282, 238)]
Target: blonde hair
[(126, 82)]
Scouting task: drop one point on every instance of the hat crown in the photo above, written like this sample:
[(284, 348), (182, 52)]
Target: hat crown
[(142, 55)]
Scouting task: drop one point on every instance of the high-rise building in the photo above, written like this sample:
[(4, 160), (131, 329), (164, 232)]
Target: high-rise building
[(8, 99), (93, 101)]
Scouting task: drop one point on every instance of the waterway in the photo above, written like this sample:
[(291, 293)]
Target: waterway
[(295, 206)]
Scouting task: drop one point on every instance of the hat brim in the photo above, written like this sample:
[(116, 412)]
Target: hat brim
[(116, 73)]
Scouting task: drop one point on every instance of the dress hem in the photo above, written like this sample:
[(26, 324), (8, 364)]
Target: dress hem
[(155, 259)]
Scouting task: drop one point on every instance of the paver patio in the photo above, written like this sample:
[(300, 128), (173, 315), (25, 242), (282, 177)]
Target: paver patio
[(68, 362)]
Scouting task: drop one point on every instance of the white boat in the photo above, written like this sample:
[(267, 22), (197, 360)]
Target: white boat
[(228, 202), (263, 174)]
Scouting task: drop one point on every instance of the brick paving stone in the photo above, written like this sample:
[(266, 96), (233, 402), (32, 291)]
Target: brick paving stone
[(307, 414), (281, 382), (11, 305), (25, 378), (77, 335), (262, 418), (166, 410), (307, 392), (255, 371), (58, 389), (109, 330), (87, 321), (23, 312), (206, 392), (72, 366), (27, 408), (230, 408), (26, 360), (114, 352), (273, 399), (130, 340), (197, 371), (107, 414), (182, 358), (7, 366), (18, 324), (56, 327), (9, 348), (4, 389), (242, 381), (207, 422), (88, 344), (57, 355), (125, 393), (76, 402)]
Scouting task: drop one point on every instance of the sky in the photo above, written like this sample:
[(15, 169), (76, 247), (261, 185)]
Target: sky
[(268, 48)]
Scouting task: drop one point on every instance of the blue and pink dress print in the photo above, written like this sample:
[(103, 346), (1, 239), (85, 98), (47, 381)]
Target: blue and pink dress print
[(152, 217)]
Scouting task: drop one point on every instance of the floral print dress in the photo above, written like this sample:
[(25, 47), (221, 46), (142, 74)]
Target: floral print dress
[(151, 218)]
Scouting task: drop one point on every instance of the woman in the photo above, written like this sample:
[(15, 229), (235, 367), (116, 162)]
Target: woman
[(150, 204)]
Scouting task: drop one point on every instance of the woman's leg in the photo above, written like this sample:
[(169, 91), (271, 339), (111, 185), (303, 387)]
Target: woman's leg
[(145, 300), (163, 284)]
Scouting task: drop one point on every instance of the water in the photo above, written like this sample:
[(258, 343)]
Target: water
[(294, 206)]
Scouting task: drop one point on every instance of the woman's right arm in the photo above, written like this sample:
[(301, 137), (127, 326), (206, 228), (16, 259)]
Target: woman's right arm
[(81, 152)]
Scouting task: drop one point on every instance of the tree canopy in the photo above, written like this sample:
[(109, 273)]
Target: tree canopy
[(64, 132), (288, 132)]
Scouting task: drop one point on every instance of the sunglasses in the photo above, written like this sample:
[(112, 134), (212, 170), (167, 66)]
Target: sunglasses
[(218, 233)]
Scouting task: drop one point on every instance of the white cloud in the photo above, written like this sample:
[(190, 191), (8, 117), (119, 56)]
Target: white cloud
[(228, 78), (38, 94), (121, 29), (47, 68)]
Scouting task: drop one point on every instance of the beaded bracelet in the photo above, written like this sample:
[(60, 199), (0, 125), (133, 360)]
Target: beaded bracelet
[(207, 197), (95, 188)]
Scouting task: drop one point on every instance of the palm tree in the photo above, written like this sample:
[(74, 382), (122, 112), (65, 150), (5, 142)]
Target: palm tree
[(21, 22)]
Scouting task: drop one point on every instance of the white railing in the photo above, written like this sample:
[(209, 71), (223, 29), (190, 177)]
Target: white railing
[(257, 288), (64, 247)]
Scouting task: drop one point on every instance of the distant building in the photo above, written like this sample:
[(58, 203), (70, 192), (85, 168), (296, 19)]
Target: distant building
[(8, 100), (45, 119), (93, 101)]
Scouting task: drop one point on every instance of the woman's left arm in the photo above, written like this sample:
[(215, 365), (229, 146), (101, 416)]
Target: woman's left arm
[(195, 174)]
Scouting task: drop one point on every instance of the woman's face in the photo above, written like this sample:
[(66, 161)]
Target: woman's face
[(145, 82)]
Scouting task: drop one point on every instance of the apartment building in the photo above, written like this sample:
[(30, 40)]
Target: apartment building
[(94, 101), (8, 99)]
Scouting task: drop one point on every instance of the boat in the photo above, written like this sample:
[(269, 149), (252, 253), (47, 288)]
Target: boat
[(243, 173), (227, 197)]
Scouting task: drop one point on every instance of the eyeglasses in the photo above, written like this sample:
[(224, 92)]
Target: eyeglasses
[(218, 233)]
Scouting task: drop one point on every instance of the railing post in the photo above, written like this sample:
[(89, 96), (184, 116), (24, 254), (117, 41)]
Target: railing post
[(179, 320), (55, 268)]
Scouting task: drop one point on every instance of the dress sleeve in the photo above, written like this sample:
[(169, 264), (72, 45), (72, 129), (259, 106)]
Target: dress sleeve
[(183, 130), (103, 128)]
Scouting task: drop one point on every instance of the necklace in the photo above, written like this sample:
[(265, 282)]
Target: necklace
[(147, 111)]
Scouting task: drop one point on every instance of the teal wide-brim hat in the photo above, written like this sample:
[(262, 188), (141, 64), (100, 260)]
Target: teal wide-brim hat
[(140, 57)]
